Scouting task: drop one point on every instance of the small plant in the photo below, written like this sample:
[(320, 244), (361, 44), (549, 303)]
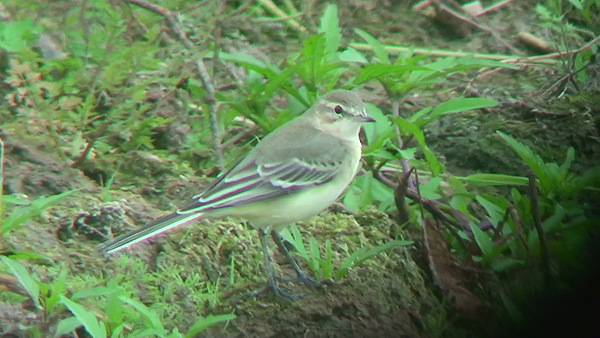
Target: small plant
[(25, 210), (53, 301), (561, 19), (555, 182), (323, 267), (557, 212)]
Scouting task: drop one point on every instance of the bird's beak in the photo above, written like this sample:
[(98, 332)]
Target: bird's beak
[(364, 118)]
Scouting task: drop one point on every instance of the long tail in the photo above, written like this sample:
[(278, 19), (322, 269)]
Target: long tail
[(152, 229)]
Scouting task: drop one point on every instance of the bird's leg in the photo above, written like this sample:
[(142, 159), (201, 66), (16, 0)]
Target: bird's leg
[(270, 275), (301, 275)]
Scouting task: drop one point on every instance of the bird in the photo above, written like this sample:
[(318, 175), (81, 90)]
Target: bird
[(293, 173)]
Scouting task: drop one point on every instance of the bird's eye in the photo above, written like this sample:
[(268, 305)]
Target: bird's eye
[(338, 109)]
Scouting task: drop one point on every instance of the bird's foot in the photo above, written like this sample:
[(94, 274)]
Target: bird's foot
[(281, 293), (302, 277), (278, 291)]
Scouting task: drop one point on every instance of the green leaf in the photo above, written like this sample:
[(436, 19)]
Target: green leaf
[(428, 190), (420, 114), (534, 162), (333, 76), (16, 34), (352, 55), (380, 143), (554, 222), (383, 194), (296, 239), (470, 62), (407, 127), (23, 214), (347, 263), (312, 67), (203, 323), (408, 153), (66, 326), (251, 63), (57, 289), (483, 240), (330, 26), (461, 104), (383, 247), (381, 126), (564, 169), (150, 315), (378, 153), (494, 179), (378, 47), (461, 203), (14, 199), (512, 309), (327, 263), (316, 257), (115, 308), (365, 188), (281, 80), (28, 283), (85, 317), (589, 179), (352, 198), (551, 181), (118, 331), (506, 264), (363, 254), (457, 185), (495, 213), (30, 256)]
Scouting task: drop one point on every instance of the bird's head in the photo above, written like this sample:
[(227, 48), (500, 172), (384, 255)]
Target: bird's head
[(341, 113)]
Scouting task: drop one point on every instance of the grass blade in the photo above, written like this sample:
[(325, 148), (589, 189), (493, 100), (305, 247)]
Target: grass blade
[(87, 318), (201, 324), (30, 285)]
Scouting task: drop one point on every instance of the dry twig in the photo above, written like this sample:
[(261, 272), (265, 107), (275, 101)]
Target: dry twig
[(537, 59), (430, 205), (494, 7), (534, 42), (440, 52), (271, 7), (553, 55)]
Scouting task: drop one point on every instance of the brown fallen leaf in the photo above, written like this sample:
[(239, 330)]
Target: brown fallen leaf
[(449, 277)]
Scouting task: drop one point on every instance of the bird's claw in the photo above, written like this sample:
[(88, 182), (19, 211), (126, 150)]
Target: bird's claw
[(301, 278), (279, 292)]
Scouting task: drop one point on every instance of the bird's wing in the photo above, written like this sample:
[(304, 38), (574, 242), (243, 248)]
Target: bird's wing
[(293, 157), (251, 181)]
